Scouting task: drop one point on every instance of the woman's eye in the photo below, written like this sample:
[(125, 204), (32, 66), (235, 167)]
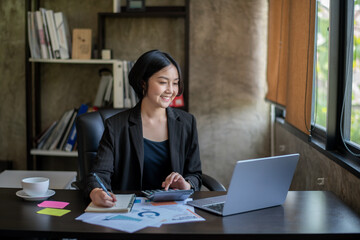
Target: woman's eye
[(176, 83)]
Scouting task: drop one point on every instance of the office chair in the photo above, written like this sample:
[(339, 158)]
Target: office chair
[(90, 128)]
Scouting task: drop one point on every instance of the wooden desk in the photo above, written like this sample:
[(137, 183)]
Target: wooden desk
[(58, 179), (305, 215)]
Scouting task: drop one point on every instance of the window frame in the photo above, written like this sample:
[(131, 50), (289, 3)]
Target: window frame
[(330, 141)]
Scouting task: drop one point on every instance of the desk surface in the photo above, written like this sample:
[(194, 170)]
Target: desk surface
[(304, 215), (58, 179)]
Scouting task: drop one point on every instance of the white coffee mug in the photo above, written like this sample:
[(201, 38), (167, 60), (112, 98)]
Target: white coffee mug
[(35, 186)]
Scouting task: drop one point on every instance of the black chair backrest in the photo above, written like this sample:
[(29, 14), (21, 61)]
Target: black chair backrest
[(90, 128)]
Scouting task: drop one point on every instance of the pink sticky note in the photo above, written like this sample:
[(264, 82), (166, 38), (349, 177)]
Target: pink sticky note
[(53, 204)]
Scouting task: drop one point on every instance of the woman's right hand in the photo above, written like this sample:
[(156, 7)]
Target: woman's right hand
[(100, 198)]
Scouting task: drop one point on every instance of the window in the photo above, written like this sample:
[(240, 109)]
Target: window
[(322, 54), (355, 93), (321, 63), (350, 111), (336, 86)]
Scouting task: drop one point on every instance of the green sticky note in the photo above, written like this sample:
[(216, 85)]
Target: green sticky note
[(54, 211)]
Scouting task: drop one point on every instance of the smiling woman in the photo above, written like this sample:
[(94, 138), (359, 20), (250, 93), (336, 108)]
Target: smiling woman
[(146, 66), (162, 87), (152, 145)]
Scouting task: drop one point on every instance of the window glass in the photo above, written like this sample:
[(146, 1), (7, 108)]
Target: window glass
[(355, 99), (321, 70)]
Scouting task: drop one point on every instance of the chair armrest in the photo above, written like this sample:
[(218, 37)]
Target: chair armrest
[(212, 184), (77, 185)]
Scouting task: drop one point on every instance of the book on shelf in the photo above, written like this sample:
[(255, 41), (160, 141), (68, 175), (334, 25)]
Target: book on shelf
[(75, 146), (54, 133), (46, 32), (108, 93), (123, 204), (63, 33), (66, 133), (60, 129), (70, 143), (61, 134), (123, 94), (104, 91), (98, 102), (34, 44), (44, 135), (53, 34), (81, 45), (127, 101), (40, 31), (118, 96)]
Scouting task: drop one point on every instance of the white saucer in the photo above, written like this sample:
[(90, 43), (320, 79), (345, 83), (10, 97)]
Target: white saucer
[(23, 195)]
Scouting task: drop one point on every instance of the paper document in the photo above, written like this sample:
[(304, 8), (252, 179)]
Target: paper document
[(144, 214), (124, 203)]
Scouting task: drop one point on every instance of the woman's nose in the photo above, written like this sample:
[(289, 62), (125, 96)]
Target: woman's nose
[(169, 87)]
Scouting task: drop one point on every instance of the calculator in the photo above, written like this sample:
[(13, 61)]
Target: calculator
[(161, 195)]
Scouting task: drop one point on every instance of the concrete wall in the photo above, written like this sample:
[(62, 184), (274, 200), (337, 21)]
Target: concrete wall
[(12, 83), (228, 82), (313, 165), (227, 74)]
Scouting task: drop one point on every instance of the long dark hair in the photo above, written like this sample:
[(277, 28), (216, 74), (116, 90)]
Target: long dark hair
[(148, 64)]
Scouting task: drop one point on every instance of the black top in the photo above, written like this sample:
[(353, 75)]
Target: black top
[(156, 164)]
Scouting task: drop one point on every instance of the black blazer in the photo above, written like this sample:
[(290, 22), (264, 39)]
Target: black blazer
[(120, 158)]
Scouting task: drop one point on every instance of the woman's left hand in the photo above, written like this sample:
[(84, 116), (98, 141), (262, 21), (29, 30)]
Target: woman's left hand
[(175, 180)]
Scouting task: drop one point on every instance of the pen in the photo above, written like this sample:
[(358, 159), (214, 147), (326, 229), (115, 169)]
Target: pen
[(101, 184)]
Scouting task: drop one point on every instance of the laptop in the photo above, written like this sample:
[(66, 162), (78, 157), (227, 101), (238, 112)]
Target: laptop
[(255, 184)]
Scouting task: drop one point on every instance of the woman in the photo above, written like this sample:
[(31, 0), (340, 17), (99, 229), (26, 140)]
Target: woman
[(152, 145)]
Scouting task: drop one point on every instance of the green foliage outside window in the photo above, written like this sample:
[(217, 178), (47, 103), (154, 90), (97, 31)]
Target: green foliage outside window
[(322, 67), (355, 98), (322, 50)]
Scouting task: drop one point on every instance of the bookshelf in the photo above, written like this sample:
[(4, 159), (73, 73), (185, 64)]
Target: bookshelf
[(54, 153), (34, 77), (74, 61), (155, 12), (35, 101)]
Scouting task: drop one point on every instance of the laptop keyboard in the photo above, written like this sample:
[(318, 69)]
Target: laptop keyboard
[(217, 207)]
